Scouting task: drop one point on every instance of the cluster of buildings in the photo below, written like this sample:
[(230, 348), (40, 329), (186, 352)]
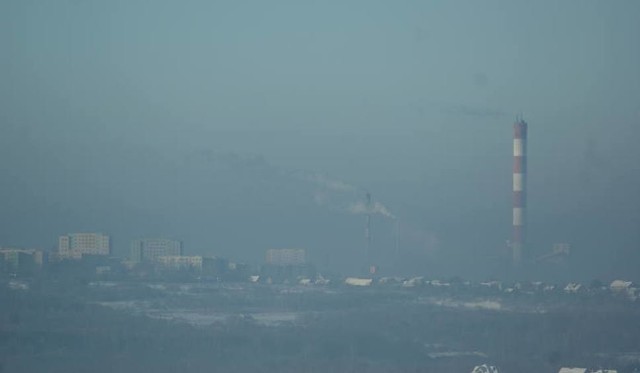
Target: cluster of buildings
[(153, 255), (167, 255), (94, 250)]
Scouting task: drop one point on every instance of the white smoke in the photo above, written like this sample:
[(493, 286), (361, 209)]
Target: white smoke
[(376, 208), (338, 195)]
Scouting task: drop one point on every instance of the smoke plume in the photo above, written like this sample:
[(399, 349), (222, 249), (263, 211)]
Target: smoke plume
[(338, 195), (375, 208)]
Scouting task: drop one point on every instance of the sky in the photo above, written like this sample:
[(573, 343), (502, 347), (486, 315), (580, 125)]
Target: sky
[(231, 125)]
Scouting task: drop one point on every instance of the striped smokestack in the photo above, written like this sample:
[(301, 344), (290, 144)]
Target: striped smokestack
[(519, 190), (367, 228)]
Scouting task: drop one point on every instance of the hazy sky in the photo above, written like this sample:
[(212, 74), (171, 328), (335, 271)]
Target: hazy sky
[(196, 120)]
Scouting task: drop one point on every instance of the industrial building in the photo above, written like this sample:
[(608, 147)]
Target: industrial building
[(76, 245)]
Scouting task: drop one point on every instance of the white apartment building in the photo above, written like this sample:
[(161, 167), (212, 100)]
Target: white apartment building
[(286, 256), (75, 245)]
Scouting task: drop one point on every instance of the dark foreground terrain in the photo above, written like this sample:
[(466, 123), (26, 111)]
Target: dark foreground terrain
[(121, 327)]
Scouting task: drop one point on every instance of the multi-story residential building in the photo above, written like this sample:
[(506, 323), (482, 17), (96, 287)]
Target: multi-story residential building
[(286, 265), (285, 257), (21, 261), (214, 266), (75, 245), (149, 250)]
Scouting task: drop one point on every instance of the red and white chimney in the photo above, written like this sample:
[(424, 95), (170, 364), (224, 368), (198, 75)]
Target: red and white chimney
[(519, 190)]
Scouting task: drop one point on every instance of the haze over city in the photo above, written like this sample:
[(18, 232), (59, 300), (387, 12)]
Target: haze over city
[(349, 130), (188, 119)]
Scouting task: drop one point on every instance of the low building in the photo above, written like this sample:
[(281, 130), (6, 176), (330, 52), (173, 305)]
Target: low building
[(484, 368), (585, 370), (620, 286), (354, 281), (287, 273), (573, 288), (625, 288), (413, 282), (180, 263)]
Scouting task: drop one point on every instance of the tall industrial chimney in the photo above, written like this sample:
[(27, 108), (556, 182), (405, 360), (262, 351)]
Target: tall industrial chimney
[(367, 228), (519, 191)]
